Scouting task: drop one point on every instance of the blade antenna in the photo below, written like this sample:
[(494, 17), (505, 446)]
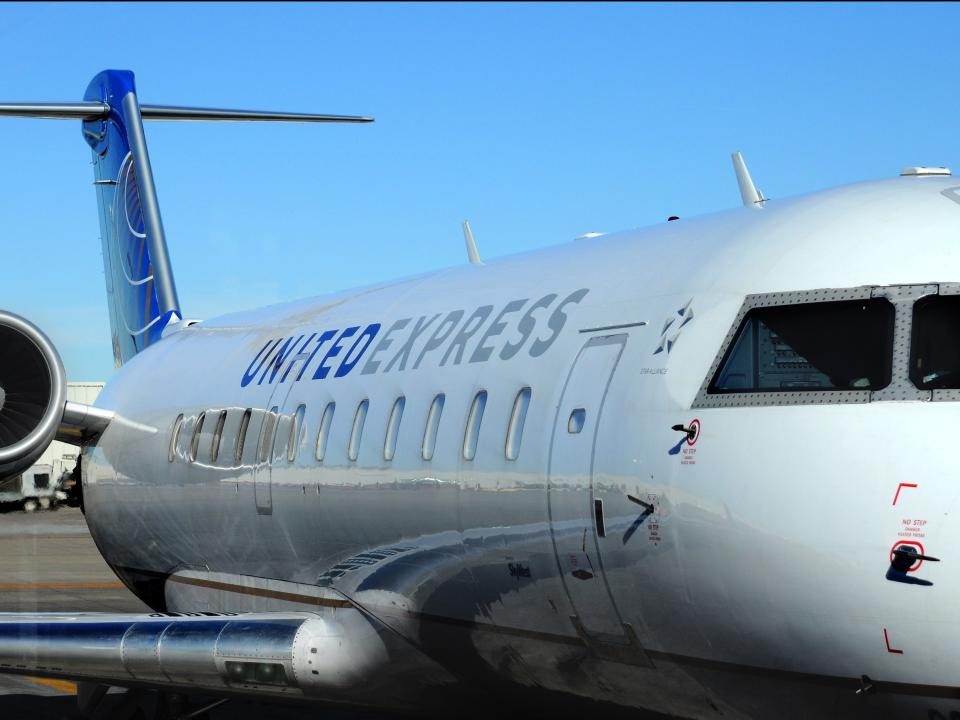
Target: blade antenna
[(472, 253), (748, 191)]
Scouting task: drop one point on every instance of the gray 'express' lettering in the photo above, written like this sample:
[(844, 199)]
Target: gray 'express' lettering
[(407, 347), (483, 352), (440, 335), (372, 364), (470, 328), (558, 318), (526, 326)]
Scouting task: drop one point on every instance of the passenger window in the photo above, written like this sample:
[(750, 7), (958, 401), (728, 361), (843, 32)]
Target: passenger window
[(433, 424), (576, 420), (296, 424), (241, 436), (935, 350), (323, 434), (393, 428), (472, 434), (353, 451), (217, 434), (175, 437), (266, 435), (517, 419), (195, 440), (846, 345)]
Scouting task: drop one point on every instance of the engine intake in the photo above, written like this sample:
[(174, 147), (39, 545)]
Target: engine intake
[(32, 393)]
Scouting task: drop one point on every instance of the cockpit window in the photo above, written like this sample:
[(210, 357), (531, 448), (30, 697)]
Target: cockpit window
[(935, 350), (844, 345)]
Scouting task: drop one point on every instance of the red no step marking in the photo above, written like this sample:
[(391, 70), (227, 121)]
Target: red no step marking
[(886, 639), (900, 487)]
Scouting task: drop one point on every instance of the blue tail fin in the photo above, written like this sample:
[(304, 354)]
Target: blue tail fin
[(141, 293)]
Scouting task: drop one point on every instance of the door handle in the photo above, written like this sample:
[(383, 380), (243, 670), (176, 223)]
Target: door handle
[(598, 516)]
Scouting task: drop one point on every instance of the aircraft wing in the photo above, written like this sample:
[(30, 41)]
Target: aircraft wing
[(330, 654)]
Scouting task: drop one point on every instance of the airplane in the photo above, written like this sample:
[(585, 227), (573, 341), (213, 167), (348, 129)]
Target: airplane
[(696, 470)]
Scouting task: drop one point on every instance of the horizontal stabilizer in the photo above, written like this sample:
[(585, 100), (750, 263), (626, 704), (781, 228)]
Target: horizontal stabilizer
[(141, 289), (171, 112), (95, 110), (65, 111)]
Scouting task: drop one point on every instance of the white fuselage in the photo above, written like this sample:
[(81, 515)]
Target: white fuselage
[(757, 584)]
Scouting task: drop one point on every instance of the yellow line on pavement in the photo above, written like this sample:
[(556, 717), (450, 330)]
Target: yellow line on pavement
[(61, 685)]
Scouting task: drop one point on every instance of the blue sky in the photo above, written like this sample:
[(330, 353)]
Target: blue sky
[(536, 122)]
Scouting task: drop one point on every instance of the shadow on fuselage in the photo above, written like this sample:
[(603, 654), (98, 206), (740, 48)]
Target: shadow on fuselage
[(901, 576)]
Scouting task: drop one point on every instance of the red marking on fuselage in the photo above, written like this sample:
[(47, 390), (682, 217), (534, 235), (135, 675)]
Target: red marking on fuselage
[(886, 639), (920, 551), (900, 487)]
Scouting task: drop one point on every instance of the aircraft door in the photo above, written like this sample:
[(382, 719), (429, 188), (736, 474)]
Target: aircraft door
[(261, 468), (271, 447), (570, 472)]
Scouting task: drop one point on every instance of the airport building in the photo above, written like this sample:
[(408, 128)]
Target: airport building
[(61, 456)]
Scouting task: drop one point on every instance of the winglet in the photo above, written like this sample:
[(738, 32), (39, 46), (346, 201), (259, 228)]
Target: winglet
[(748, 191), (472, 253)]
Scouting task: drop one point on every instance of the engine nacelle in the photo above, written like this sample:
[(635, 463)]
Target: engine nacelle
[(33, 390)]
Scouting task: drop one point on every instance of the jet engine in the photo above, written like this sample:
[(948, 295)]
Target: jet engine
[(32, 393)]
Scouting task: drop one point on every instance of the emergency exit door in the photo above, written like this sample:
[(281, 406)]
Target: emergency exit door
[(277, 424), (572, 515)]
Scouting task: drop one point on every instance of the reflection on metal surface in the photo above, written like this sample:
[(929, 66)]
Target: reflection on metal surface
[(267, 653)]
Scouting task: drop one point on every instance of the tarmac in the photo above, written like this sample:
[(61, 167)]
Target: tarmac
[(49, 563)]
